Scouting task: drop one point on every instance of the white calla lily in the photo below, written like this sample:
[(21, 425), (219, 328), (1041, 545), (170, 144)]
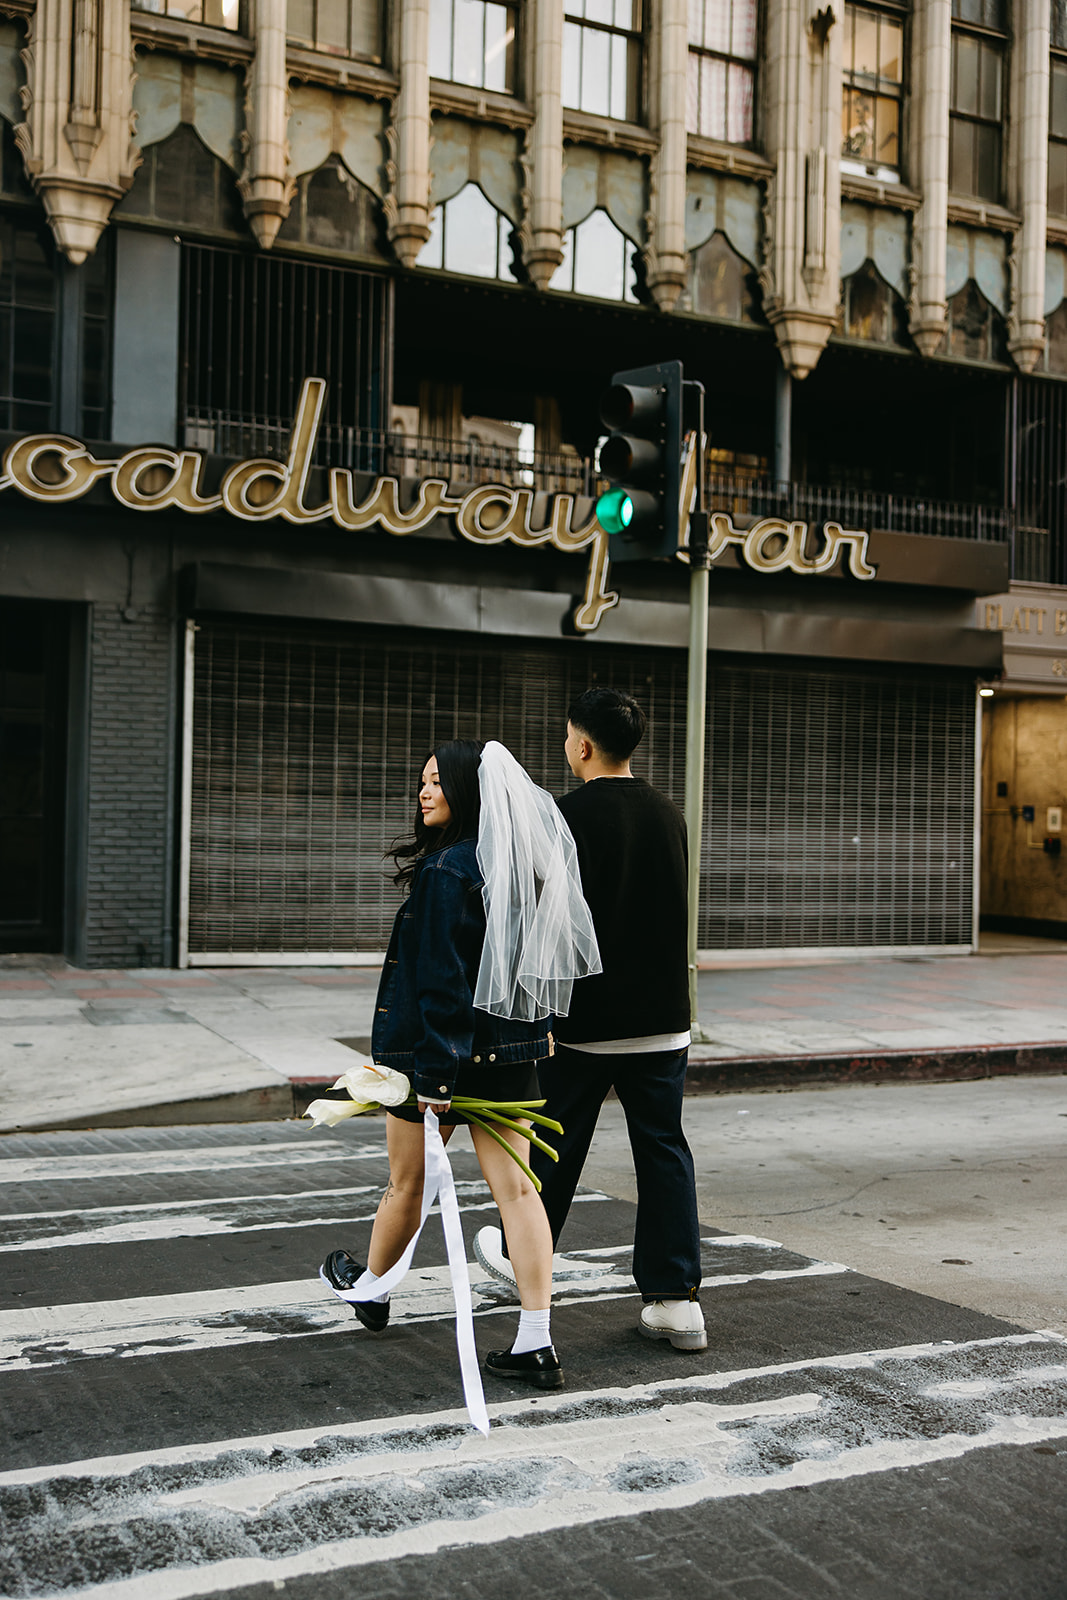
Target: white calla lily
[(381, 1086), (327, 1113)]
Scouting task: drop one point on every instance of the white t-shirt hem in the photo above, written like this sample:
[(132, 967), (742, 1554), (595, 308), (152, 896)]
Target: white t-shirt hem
[(646, 1045)]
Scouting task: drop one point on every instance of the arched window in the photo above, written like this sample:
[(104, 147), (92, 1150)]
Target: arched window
[(1056, 340), (334, 211), (722, 283), (598, 260), (469, 235), (180, 180), (975, 328), (871, 309)]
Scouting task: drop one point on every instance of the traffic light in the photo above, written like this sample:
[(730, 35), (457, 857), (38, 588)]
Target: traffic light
[(641, 459)]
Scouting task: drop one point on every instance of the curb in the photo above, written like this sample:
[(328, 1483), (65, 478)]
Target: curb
[(719, 1075)]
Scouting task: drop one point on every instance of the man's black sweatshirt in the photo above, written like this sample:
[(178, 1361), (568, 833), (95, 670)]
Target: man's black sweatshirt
[(632, 854)]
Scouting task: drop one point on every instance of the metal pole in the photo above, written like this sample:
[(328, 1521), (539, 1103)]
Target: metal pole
[(696, 708)]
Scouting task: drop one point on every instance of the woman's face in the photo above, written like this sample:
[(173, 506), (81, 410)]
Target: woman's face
[(436, 811)]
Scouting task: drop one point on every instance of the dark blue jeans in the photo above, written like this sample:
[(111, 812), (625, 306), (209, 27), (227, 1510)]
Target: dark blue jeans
[(667, 1235)]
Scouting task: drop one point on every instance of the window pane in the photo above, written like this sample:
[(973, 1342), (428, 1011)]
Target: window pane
[(596, 83), (300, 24), (961, 156), (1059, 24), (717, 25), (32, 344), (744, 29), (498, 37), (965, 78), (846, 41), (333, 25), (989, 97), (600, 258), (572, 64), (713, 98), (504, 252), (696, 21), (692, 95), (1057, 179), (739, 103), (563, 277), (859, 125), (1057, 115), (891, 49), (865, 43), (363, 26), (887, 134), (34, 284), (626, 14), (471, 234), (987, 141), (599, 11), (620, 56), (468, 59), (967, 10)]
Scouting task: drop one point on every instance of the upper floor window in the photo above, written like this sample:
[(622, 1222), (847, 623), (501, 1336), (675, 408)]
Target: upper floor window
[(28, 309), (1057, 136), (977, 97), (598, 260), (473, 41), (212, 13), (468, 234), (872, 74), (722, 69), (339, 27), (602, 57)]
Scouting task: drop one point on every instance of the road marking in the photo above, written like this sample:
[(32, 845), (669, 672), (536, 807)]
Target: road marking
[(140, 1163), (408, 1485), (32, 1338)]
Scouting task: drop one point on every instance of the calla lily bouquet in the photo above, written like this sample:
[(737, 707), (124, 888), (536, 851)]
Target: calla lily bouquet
[(370, 1087)]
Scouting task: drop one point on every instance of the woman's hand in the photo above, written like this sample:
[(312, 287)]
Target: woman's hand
[(438, 1107)]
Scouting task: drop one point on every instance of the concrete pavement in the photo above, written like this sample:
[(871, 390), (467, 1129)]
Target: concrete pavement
[(100, 1048)]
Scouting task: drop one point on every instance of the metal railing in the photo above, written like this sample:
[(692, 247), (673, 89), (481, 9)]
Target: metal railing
[(469, 461), (474, 461), (861, 509)]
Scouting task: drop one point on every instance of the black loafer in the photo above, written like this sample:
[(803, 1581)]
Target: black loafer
[(341, 1272), (539, 1367)]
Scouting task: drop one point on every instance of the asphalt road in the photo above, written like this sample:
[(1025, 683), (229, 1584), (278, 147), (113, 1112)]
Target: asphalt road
[(186, 1411)]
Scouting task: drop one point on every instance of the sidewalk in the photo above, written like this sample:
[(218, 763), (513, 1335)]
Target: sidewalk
[(110, 1048)]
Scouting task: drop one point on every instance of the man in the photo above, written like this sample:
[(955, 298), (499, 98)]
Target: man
[(628, 1027)]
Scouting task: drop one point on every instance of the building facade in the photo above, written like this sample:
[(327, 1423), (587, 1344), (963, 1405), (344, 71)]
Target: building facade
[(305, 312)]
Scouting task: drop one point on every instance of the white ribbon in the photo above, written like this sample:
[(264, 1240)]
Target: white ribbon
[(438, 1182)]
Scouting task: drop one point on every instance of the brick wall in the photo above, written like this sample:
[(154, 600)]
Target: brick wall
[(128, 859)]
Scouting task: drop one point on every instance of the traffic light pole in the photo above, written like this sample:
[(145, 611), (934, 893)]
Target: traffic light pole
[(696, 708)]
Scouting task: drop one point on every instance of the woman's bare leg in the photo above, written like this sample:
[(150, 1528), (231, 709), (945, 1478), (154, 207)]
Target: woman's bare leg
[(400, 1207), (525, 1223)]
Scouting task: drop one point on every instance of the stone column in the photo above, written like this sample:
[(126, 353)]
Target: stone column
[(78, 101), (666, 254), (800, 275), (408, 206), (542, 231), (265, 184), (1030, 99), (931, 74)]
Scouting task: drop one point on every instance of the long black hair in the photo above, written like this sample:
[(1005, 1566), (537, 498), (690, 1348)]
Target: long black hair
[(457, 768)]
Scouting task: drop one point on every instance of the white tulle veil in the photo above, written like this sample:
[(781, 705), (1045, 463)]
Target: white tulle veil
[(539, 936)]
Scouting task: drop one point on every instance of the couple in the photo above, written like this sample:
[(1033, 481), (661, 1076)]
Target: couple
[(485, 948)]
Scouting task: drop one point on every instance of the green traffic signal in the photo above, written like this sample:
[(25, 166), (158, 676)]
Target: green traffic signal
[(614, 511)]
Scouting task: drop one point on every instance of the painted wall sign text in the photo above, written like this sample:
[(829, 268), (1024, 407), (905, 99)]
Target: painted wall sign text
[(775, 545)]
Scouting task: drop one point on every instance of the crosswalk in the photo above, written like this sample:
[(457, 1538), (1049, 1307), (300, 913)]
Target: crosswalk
[(187, 1411)]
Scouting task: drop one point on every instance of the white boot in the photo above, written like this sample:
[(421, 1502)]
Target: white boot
[(489, 1249), (680, 1321)]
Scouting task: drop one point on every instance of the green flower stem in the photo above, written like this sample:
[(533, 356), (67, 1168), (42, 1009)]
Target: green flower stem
[(516, 1127), (512, 1152), (510, 1108)]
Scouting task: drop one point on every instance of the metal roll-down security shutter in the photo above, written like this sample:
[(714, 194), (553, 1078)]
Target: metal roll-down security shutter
[(839, 803)]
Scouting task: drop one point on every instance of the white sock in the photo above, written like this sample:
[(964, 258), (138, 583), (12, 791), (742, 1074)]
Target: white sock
[(533, 1331), (373, 1280)]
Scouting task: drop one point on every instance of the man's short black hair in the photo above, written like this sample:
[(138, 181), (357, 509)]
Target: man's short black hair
[(612, 719)]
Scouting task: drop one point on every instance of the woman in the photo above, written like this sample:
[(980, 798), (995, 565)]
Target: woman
[(463, 1013)]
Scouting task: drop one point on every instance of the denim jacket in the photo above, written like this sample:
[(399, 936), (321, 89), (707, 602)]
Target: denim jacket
[(425, 1022)]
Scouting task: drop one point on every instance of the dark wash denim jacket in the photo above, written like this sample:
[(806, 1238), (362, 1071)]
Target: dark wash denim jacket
[(425, 1022)]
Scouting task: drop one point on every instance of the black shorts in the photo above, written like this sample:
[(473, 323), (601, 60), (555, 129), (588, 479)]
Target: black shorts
[(515, 1081)]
